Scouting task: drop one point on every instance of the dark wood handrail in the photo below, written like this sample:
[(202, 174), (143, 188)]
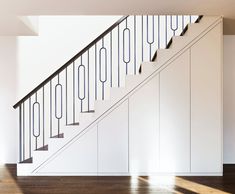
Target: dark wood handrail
[(70, 61)]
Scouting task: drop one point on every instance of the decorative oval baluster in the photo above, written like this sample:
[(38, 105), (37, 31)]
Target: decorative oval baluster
[(58, 105), (103, 64), (36, 119), (150, 41), (58, 101), (174, 27), (126, 46), (81, 80), (81, 83)]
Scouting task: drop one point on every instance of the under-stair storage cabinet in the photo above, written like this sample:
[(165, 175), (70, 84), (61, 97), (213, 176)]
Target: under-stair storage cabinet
[(165, 119)]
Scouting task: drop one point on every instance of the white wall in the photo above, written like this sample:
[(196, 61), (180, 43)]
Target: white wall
[(8, 116), (60, 38), (229, 99)]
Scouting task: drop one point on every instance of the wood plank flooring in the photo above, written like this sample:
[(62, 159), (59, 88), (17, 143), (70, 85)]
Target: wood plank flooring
[(11, 184)]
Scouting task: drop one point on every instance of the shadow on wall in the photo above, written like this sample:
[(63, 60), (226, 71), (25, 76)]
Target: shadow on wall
[(229, 26), (8, 86)]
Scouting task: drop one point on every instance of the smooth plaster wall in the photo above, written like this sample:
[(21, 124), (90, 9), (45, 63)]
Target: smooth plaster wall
[(60, 38), (229, 99), (8, 116)]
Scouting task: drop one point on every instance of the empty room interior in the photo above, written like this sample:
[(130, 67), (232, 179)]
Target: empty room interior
[(117, 97)]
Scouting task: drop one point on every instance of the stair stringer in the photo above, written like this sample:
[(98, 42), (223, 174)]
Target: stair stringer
[(104, 108)]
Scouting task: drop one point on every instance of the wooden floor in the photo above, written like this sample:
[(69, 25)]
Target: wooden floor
[(10, 183)]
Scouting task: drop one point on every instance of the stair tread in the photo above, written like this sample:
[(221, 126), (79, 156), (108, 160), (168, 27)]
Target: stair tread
[(89, 111), (61, 135), (43, 148), (29, 160), (73, 124)]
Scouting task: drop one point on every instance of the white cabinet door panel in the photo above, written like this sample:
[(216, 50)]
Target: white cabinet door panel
[(144, 128), (175, 116), (113, 141)]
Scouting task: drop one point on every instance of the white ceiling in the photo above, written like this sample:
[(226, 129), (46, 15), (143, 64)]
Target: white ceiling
[(226, 8)]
